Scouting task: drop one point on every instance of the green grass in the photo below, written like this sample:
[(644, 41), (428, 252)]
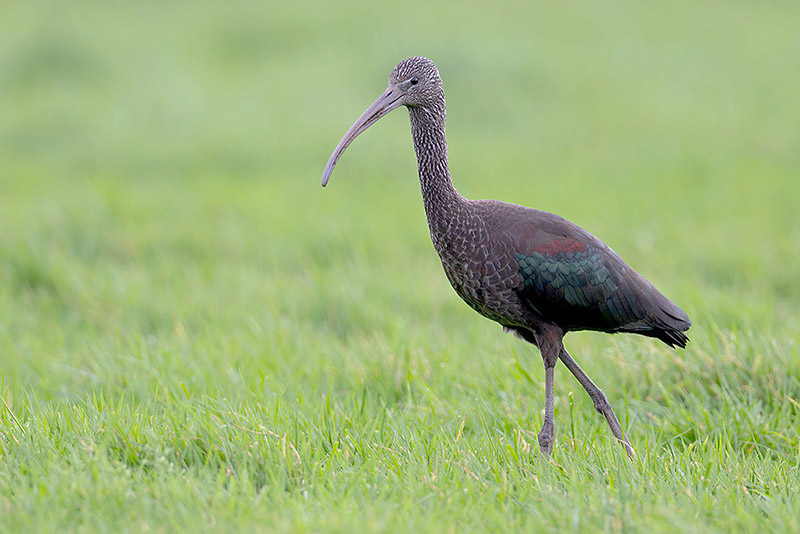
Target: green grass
[(195, 336)]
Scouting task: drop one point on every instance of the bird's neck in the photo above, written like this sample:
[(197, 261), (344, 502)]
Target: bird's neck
[(438, 193)]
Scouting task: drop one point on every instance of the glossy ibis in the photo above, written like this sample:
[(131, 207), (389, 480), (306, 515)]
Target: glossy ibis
[(537, 274)]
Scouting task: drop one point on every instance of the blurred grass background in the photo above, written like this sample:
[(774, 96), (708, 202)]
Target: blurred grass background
[(171, 271)]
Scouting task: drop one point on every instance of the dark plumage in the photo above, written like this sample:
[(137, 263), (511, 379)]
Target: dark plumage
[(537, 274)]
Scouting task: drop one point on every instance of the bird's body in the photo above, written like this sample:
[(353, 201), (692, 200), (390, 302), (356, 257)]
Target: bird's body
[(519, 267), (537, 274)]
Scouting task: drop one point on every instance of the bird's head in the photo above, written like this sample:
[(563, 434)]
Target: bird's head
[(417, 80), (414, 83)]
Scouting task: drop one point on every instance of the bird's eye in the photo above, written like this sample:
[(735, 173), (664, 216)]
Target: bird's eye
[(414, 81)]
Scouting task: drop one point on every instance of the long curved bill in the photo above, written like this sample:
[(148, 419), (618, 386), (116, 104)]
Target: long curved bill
[(389, 100)]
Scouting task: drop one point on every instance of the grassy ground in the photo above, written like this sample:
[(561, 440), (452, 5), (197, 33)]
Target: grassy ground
[(194, 335)]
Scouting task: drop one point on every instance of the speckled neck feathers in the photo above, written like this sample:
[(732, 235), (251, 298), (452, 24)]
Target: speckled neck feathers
[(440, 197)]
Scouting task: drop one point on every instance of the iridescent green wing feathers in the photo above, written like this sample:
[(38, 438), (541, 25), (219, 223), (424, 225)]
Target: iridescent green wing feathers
[(581, 284), (575, 284)]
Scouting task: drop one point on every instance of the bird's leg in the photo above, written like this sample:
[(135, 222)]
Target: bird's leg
[(599, 399), (549, 343), (548, 433)]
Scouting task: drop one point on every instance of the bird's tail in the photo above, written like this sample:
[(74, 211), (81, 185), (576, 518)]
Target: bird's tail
[(667, 323), (673, 338)]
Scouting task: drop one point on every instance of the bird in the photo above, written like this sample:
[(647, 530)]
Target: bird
[(535, 273)]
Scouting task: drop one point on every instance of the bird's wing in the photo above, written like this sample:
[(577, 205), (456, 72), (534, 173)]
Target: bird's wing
[(569, 277)]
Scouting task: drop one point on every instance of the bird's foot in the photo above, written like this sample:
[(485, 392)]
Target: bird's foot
[(547, 438)]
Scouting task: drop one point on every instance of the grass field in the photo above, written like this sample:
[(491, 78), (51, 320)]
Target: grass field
[(195, 336)]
